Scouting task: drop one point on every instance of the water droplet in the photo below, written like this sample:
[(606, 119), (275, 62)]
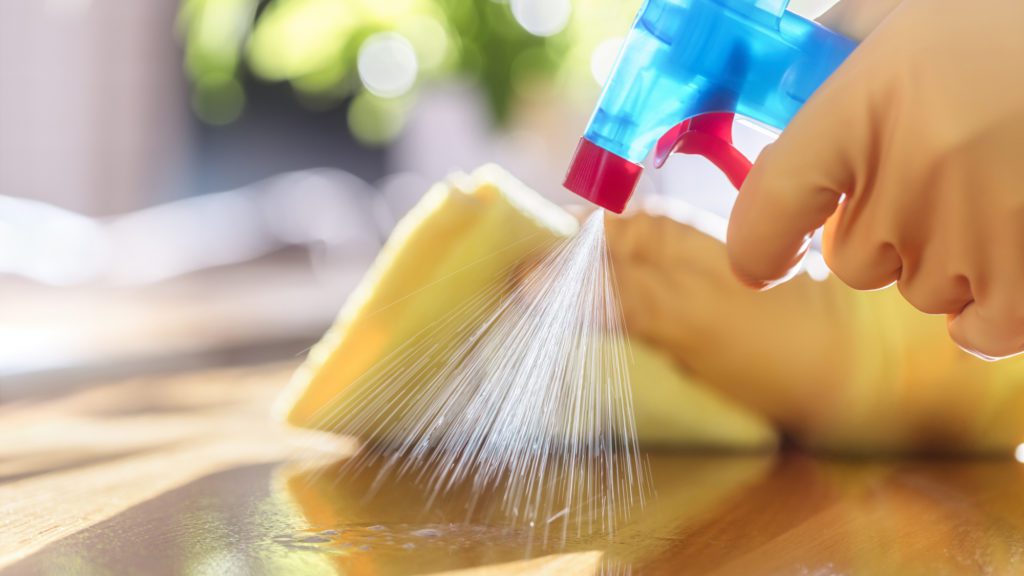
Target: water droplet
[(315, 539), (329, 532), (427, 533)]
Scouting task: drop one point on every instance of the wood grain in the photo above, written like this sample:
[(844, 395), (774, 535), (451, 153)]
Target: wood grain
[(119, 461), (71, 462)]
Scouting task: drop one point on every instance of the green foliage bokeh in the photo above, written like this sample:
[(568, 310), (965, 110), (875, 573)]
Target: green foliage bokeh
[(314, 44)]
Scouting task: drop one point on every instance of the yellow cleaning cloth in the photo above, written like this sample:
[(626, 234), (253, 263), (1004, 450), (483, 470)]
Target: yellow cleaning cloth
[(466, 236)]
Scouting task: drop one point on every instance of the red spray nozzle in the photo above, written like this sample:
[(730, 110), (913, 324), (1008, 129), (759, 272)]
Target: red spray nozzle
[(602, 177), (609, 180), (687, 58), (708, 135)]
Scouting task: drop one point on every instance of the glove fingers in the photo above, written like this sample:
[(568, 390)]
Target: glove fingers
[(934, 294), (779, 207), (986, 333), (630, 238), (639, 296), (859, 253), (857, 18), (992, 325), (826, 152), (675, 285), (935, 276), (797, 182), (656, 263)]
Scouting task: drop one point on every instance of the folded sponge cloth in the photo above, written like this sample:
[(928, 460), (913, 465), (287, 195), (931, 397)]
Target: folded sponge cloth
[(466, 237)]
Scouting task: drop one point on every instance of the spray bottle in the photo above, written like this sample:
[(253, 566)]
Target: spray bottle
[(686, 68)]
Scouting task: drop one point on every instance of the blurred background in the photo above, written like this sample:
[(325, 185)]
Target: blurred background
[(186, 182)]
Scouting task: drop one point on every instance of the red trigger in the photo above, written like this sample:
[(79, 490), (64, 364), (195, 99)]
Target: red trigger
[(708, 135)]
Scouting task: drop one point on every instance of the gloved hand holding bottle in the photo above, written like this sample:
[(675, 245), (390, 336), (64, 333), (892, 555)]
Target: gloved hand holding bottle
[(910, 156), (833, 369)]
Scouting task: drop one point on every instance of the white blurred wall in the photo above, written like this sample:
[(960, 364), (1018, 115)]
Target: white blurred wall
[(93, 108)]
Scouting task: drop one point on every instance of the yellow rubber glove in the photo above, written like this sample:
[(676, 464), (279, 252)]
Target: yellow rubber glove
[(910, 157), (835, 369)]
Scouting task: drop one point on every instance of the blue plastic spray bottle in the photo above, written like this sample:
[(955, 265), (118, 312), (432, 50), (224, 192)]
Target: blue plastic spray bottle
[(685, 69)]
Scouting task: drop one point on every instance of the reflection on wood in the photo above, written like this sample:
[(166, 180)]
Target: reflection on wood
[(163, 475), (689, 489), (70, 462)]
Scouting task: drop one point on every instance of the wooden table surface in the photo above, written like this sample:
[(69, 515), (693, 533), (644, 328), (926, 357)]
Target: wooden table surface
[(184, 474)]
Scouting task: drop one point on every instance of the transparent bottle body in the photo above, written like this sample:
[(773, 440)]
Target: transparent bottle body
[(688, 57)]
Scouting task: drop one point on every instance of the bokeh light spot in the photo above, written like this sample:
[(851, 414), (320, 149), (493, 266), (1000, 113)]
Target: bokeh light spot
[(374, 120), (387, 64), (430, 40), (817, 269), (218, 99), (542, 17), (603, 59), (296, 39)]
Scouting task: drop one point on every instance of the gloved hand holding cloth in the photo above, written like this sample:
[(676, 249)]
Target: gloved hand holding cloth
[(909, 157)]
